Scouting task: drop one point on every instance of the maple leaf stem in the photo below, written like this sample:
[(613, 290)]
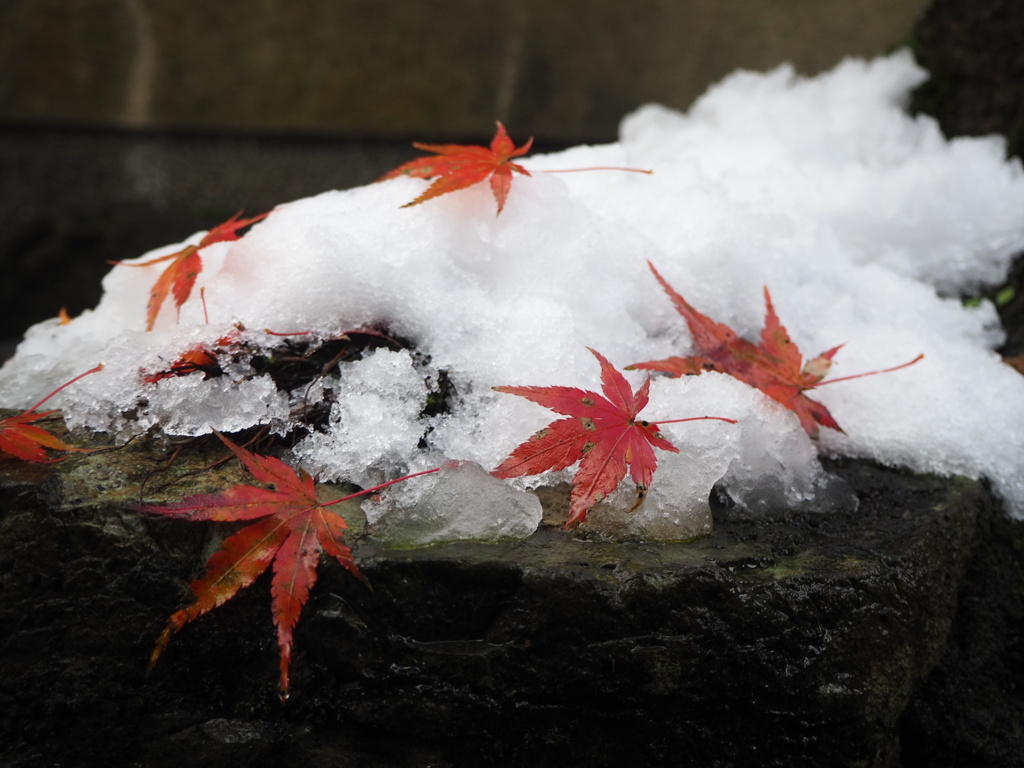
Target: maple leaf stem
[(870, 373), (65, 385), (601, 168), (696, 418), (382, 485)]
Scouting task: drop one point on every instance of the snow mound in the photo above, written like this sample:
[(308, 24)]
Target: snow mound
[(865, 223)]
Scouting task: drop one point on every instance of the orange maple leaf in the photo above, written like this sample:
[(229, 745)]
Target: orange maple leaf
[(775, 366), (199, 358), (22, 438), (292, 531), (458, 166), (180, 275), (603, 433)]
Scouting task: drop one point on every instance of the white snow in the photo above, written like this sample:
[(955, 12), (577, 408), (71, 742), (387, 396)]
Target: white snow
[(866, 224)]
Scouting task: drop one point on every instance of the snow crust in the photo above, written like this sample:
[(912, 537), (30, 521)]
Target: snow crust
[(866, 224)]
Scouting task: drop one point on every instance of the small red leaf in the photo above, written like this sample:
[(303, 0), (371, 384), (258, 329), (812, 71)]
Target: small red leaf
[(458, 166), (22, 438), (179, 277), (286, 537), (291, 530), (602, 433), (775, 366)]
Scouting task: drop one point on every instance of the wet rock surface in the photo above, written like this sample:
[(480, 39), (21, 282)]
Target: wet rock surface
[(970, 710), (878, 637)]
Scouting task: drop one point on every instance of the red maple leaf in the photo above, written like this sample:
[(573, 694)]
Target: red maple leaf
[(292, 531), (775, 366), (22, 438), (199, 358), (458, 166), (180, 275), (603, 433)]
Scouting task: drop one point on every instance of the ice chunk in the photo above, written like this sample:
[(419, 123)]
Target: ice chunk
[(190, 405), (676, 507), (461, 501)]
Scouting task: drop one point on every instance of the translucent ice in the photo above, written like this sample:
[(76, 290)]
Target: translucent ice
[(458, 502)]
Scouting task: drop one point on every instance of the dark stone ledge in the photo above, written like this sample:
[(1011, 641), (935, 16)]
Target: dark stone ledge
[(803, 639)]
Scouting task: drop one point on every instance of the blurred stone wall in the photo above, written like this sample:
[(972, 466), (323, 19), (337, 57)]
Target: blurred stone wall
[(128, 124), (563, 70)]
